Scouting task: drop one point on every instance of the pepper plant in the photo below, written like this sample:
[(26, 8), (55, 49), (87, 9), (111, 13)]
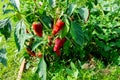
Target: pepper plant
[(63, 29)]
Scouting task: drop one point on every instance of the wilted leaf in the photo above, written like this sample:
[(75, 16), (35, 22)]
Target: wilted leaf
[(3, 56), (77, 33), (20, 32)]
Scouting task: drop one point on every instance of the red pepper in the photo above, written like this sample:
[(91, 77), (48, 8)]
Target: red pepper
[(58, 26), (37, 27), (58, 44), (58, 52)]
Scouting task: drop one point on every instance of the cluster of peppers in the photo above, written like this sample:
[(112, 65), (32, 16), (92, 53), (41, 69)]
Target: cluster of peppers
[(58, 43)]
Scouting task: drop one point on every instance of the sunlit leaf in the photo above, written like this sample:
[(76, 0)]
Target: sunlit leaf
[(3, 23), (16, 4), (20, 32), (72, 65)]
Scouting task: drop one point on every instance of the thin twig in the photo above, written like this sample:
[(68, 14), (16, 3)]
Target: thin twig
[(21, 69)]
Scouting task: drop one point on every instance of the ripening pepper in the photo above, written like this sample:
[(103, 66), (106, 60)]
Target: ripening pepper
[(58, 52), (58, 44), (58, 26), (37, 27)]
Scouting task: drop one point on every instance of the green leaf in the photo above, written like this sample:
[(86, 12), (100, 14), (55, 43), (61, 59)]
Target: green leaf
[(107, 48), (47, 20), (70, 78), (72, 65), (77, 33), (117, 43), (4, 7), (98, 29), (16, 4), (75, 74), (52, 3), (5, 10), (86, 36), (20, 32), (27, 65), (65, 29), (84, 13), (71, 9), (28, 36), (69, 71), (36, 44), (100, 43), (5, 28), (42, 69), (3, 56)]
